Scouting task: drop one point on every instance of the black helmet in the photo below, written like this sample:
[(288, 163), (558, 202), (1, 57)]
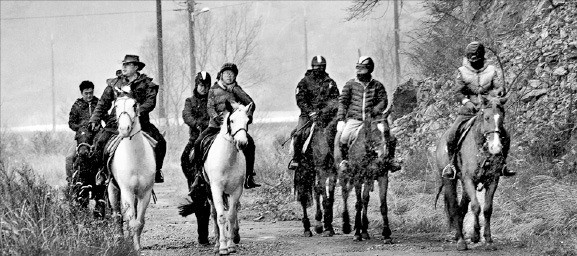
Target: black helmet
[(202, 77), (367, 62), (229, 66), (318, 61)]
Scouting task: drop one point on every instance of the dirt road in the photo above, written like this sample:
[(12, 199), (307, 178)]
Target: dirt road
[(167, 233)]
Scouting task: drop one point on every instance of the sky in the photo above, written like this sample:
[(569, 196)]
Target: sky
[(91, 47)]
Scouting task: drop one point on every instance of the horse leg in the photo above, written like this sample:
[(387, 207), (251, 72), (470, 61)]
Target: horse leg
[(114, 199), (471, 190), (128, 201), (137, 224), (216, 229), (306, 223), (202, 218), (234, 203), (453, 211), (365, 189), (358, 209), (383, 187), (328, 201), (345, 190), (220, 219), (319, 212), (488, 211)]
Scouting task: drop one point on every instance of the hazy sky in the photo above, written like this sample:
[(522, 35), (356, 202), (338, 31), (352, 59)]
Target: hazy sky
[(91, 47)]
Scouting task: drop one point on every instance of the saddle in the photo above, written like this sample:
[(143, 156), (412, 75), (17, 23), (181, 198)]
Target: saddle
[(463, 131), (205, 145)]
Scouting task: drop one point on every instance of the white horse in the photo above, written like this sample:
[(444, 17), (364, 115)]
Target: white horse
[(225, 169), (133, 167)]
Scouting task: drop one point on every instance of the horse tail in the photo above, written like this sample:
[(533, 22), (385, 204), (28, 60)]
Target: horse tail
[(439, 193), (186, 209)]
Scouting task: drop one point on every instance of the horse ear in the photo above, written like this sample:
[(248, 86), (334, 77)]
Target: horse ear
[(249, 107), (228, 106), (503, 100)]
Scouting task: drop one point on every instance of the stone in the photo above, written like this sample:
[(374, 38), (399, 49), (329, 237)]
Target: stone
[(535, 83), (534, 94), (560, 71)]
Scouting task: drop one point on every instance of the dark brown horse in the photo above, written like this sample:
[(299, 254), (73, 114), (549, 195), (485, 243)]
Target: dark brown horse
[(84, 167), (368, 158), (317, 172), (478, 162)]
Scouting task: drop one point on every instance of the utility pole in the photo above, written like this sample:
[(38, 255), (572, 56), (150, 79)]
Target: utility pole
[(161, 110), (397, 62), (53, 85), (306, 38), (191, 35)]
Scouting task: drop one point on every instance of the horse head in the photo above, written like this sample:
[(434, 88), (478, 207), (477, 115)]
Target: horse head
[(126, 114), (493, 114), (237, 121), (84, 139)]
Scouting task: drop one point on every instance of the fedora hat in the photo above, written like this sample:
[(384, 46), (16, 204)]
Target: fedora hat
[(133, 59)]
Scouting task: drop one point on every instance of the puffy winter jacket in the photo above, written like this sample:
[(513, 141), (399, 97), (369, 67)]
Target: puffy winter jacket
[(81, 112), (360, 100), (195, 113), (317, 94), (471, 82), (217, 96), (142, 89)]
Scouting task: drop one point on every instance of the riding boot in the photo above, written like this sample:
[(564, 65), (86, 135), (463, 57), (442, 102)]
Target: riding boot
[(344, 148), (249, 156), (449, 170), (394, 165), (295, 161), (506, 140)]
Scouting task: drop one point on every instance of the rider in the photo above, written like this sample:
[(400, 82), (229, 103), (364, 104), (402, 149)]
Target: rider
[(474, 78), (317, 96), (363, 97), (195, 115), (144, 91), (225, 89), (80, 115)]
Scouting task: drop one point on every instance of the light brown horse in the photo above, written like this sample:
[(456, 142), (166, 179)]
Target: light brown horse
[(479, 160)]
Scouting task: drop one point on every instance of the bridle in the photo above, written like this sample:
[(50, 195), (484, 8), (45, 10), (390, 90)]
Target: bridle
[(132, 119), (229, 131)]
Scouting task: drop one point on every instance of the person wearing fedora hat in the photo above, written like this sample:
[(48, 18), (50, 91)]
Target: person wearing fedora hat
[(144, 91), (226, 88)]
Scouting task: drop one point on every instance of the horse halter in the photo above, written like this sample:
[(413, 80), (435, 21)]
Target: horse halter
[(132, 119), (90, 147), (229, 131)]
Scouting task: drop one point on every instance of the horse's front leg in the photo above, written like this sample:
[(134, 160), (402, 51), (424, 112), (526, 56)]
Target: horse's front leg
[(365, 190), (345, 190), (218, 205), (318, 204), (215, 230), (454, 212), (488, 210), (233, 236), (383, 187), (137, 224), (114, 198), (328, 201), (471, 191), (358, 211)]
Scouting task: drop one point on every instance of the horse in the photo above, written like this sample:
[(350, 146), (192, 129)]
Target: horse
[(225, 171), (317, 173), (133, 167), (84, 167), (478, 161), (368, 161)]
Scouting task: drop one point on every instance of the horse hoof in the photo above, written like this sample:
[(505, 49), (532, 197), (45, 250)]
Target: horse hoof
[(357, 238), (307, 233), (329, 233), (461, 245), (236, 239), (388, 241), (319, 229), (346, 228), (475, 239), (223, 252), (365, 236), (232, 249)]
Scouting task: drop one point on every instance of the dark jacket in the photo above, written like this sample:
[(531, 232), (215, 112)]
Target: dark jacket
[(81, 112), (317, 94), (142, 89), (217, 95), (359, 101), (195, 114)]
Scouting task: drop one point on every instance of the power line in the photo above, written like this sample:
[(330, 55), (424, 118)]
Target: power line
[(105, 13)]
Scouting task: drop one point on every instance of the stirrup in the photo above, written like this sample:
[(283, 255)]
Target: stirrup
[(448, 168), (293, 164), (506, 173)]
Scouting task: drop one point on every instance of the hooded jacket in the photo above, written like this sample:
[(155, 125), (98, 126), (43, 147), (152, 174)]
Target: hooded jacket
[(317, 94), (360, 101), (195, 113), (81, 112), (142, 89)]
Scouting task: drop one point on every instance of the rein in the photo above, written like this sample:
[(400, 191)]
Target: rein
[(90, 147), (132, 120)]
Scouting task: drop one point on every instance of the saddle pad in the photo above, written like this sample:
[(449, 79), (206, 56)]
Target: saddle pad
[(309, 138), (354, 135), (464, 129), (112, 145)]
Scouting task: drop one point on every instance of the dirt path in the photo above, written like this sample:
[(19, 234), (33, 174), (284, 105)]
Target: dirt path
[(167, 233)]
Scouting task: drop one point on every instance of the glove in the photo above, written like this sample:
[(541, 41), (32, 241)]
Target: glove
[(219, 119), (94, 126), (470, 105), (381, 127), (340, 125)]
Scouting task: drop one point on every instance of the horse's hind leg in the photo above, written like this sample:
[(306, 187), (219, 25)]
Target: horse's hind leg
[(488, 210), (453, 211), (345, 190), (202, 219), (215, 226), (365, 189), (358, 211), (114, 198), (383, 187)]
